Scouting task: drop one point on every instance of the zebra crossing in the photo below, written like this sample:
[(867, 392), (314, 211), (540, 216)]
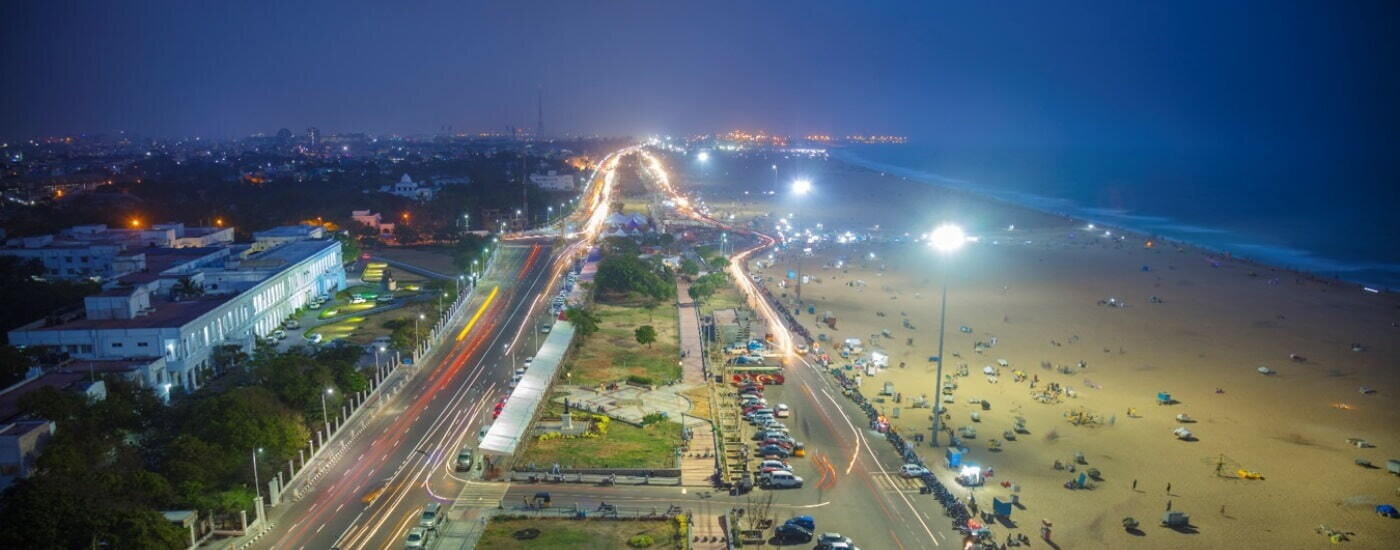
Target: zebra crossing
[(480, 494), (892, 481)]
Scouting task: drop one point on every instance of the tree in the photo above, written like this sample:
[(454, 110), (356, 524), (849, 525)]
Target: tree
[(645, 334), (585, 320), (186, 288), (349, 247), (690, 267), (406, 234), (14, 363)]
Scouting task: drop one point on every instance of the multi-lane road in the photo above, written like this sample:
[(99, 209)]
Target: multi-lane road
[(402, 455)]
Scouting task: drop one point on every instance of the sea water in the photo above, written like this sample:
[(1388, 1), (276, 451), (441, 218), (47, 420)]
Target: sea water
[(1263, 209)]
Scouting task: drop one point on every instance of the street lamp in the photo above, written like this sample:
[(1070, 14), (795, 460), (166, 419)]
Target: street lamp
[(325, 417), (418, 336), (802, 186), (946, 239), (257, 487)]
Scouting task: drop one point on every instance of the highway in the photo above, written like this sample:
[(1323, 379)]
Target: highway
[(398, 454), (402, 458)]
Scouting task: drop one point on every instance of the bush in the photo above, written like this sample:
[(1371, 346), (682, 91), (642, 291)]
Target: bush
[(641, 541), (639, 380), (653, 418)]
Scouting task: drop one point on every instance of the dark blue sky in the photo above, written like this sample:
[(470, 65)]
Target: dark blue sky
[(1156, 75)]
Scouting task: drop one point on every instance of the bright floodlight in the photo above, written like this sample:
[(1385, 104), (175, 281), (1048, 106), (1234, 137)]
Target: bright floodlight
[(947, 238), (704, 156), (801, 187)]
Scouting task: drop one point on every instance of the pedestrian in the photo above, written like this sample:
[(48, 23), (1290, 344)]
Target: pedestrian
[(1222, 509), (1169, 488), (1134, 484)]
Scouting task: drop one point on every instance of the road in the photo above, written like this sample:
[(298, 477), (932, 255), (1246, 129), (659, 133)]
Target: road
[(402, 458), (850, 485), (398, 454)]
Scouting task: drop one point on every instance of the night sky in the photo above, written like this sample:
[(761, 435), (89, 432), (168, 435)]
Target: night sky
[(1001, 74)]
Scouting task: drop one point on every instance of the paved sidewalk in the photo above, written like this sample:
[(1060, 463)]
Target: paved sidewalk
[(692, 349)]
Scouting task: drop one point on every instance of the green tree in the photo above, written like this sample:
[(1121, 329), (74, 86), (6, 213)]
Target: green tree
[(349, 246), (690, 267), (585, 320), (645, 335)]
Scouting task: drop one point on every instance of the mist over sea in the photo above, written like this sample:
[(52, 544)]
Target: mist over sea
[(1293, 213)]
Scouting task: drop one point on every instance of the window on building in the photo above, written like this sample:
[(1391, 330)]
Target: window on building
[(143, 345), (116, 344)]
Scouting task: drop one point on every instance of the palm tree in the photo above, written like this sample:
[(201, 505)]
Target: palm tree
[(585, 320)]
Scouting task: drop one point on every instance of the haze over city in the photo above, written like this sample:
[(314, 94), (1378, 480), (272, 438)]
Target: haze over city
[(834, 275)]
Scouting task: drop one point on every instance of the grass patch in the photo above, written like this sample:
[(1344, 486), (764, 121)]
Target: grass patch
[(612, 354), (624, 446), (726, 297), (599, 534), (699, 402)]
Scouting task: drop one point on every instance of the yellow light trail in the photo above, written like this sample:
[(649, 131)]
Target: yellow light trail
[(489, 298)]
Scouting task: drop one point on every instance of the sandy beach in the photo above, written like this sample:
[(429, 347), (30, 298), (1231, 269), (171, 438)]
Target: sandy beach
[(1142, 316)]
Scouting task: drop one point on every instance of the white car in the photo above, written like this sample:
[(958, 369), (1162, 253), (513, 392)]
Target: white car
[(515, 381), (357, 300), (782, 411), (418, 537), (279, 334), (780, 480), (315, 337), (912, 470), (315, 305), (529, 360)]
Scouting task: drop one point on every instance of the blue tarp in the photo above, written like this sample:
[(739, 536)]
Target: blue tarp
[(1001, 508), (954, 458), (1164, 397)]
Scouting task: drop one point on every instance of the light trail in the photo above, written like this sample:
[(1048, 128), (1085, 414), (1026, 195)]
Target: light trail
[(476, 316)]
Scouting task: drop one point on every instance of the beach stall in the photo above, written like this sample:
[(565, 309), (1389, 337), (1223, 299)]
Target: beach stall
[(954, 457), (1164, 398), (971, 476)]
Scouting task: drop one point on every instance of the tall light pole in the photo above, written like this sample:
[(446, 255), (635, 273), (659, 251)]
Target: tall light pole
[(946, 239), (257, 486), (417, 335), (326, 417), (800, 188)]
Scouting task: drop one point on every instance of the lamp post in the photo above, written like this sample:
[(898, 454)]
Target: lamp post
[(326, 417), (257, 486), (417, 336), (945, 239), (379, 370), (800, 188)]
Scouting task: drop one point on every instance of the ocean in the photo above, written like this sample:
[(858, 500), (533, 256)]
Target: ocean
[(1294, 215)]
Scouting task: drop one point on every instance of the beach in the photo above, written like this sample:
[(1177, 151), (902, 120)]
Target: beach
[(1279, 372)]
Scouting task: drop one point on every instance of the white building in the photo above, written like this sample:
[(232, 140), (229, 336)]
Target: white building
[(100, 253), (406, 187), (188, 301), (553, 181)]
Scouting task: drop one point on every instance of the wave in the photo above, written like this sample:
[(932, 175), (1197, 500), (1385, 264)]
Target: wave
[(1379, 274)]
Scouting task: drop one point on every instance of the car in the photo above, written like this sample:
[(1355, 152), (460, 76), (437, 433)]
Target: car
[(529, 360), (752, 390), (758, 417), (828, 541), (315, 305), (913, 470), (806, 522), (774, 451), (464, 460), (292, 324), (774, 435), (786, 445), (384, 298), (270, 341), (750, 409), (432, 516), (481, 434), (357, 300), (544, 329), (782, 411), (418, 537), (515, 380), (790, 534), (520, 371), (279, 334), (315, 337)]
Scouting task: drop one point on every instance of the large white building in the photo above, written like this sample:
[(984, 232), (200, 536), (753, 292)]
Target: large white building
[(188, 301), (100, 253), (553, 181)]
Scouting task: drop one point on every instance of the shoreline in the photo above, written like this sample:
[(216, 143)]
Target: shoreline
[(854, 160)]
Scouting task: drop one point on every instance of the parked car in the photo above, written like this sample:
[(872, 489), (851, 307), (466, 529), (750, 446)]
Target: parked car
[(773, 451), (292, 324), (913, 470), (827, 541), (432, 516), (773, 466), (782, 411), (529, 360), (279, 334), (357, 300), (464, 460), (792, 534), (806, 522), (418, 537), (770, 442), (315, 337), (315, 305), (544, 329)]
